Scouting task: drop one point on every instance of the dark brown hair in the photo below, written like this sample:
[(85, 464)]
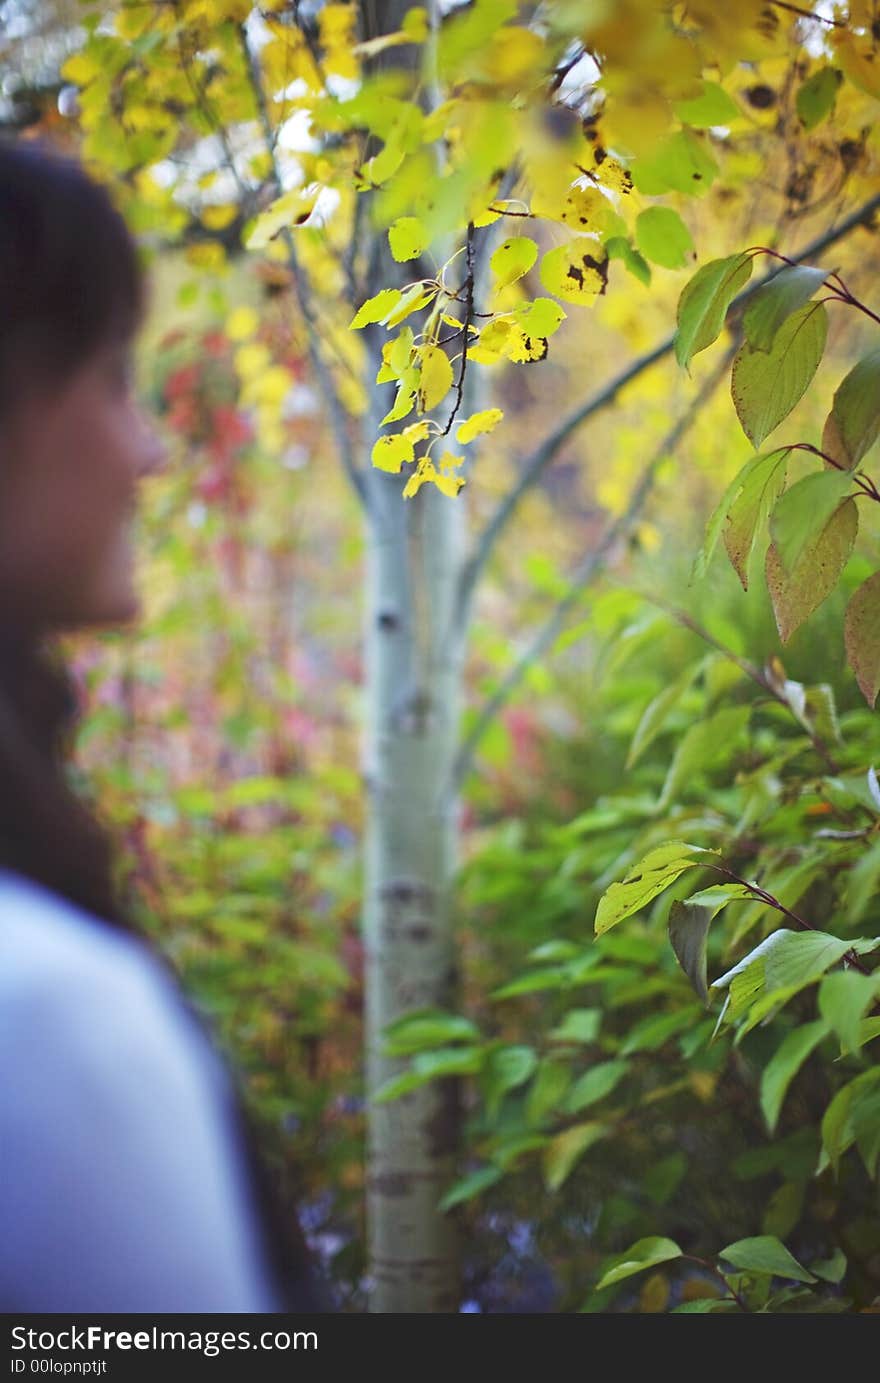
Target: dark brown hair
[(70, 283)]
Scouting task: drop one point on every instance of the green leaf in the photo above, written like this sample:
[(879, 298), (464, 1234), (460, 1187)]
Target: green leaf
[(656, 712), (428, 1028), (547, 1090), (766, 385), (644, 881), (869, 1028), (470, 1186), (815, 99), (853, 424), (595, 1084), (839, 1121), (784, 1209), (720, 515), (552, 977), (375, 308), (681, 163), (407, 238), (712, 107), (428, 1066), (766, 1254), (784, 963), (566, 1148), (662, 237), (704, 1305), (645, 1253), (618, 247), (689, 922), (654, 1031), (831, 1269), (804, 510), (771, 305), (797, 593), (513, 258), (762, 482), (555, 949), (540, 317), (861, 632), (704, 745), (844, 998), (663, 1179), (862, 883), (784, 1065), (581, 1025), (703, 304), (505, 1069)]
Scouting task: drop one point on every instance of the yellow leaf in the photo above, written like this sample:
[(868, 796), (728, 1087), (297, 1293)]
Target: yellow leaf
[(860, 60), (513, 258), (404, 401), (588, 209), (577, 271), (407, 237), (400, 351), (417, 432), (375, 308), (522, 348), (274, 384), (389, 453), (81, 68), (448, 484), (490, 344), (424, 471), (206, 256), (515, 54), (450, 462), (477, 424), (290, 209), (411, 301), (435, 378), (250, 360), (241, 323), (415, 24), (216, 217)]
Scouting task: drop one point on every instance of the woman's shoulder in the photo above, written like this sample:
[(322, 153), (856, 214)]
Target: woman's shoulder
[(73, 985), (111, 1086), (53, 952)]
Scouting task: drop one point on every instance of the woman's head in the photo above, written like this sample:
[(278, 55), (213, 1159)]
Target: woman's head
[(73, 443)]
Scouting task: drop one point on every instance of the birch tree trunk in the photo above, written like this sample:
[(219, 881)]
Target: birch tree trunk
[(413, 669), (412, 705)]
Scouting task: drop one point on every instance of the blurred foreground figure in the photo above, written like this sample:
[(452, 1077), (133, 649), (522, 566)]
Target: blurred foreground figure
[(129, 1176)]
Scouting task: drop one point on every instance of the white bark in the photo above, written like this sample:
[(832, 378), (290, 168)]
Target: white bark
[(412, 706)]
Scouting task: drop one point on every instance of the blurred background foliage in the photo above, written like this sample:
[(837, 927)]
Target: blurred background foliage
[(220, 742)]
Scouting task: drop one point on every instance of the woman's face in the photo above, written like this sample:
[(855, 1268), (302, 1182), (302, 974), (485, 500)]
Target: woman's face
[(71, 457)]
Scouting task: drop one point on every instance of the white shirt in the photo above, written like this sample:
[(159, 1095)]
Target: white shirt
[(123, 1187)]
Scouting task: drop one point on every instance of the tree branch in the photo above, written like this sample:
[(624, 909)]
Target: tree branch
[(338, 416), (540, 459), (588, 568)]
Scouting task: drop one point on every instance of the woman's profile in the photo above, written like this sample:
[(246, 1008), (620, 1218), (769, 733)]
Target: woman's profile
[(129, 1176)]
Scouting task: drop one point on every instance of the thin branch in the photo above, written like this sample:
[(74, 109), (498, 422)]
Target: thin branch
[(338, 416), (540, 459), (808, 14), (761, 894), (584, 573), (465, 328)]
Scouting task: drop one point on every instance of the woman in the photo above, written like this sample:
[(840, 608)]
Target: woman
[(129, 1178)]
